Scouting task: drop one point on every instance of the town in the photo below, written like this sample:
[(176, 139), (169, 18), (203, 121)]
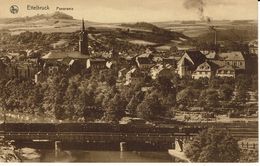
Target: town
[(98, 77)]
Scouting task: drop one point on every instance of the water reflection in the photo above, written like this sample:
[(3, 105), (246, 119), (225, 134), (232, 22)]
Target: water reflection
[(99, 156)]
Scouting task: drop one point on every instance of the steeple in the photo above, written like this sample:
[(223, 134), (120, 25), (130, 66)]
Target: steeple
[(83, 40)]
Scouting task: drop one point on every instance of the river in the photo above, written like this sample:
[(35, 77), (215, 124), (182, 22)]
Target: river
[(49, 155)]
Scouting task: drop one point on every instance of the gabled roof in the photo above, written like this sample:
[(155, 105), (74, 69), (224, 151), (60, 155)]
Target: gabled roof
[(227, 67), (135, 72), (196, 56), (55, 55), (232, 56), (145, 55), (77, 55), (212, 65), (97, 60), (144, 60), (63, 55)]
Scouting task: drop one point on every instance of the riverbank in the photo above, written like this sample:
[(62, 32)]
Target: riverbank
[(8, 153), (179, 155)]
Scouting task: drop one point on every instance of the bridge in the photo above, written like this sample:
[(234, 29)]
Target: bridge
[(168, 139), (171, 139)]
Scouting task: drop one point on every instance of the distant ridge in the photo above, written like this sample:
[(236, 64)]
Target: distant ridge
[(142, 25), (56, 15)]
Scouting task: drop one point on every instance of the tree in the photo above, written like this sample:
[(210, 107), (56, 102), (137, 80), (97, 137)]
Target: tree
[(150, 108), (134, 102), (226, 92), (209, 98), (213, 146), (242, 96), (186, 96), (165, 85), (115, 109)]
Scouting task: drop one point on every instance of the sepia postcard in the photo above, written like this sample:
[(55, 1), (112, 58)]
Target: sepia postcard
[(147, 81)]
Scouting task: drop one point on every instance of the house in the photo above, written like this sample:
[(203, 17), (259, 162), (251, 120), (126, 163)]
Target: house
[(189, 62), (122, 73), (157, 59), (253, 47), (205, 70), (21, 71), (75, 66), (145, 61), (226, 71), (235, 59), (134, 76), (171, 61), (98, 64), (161, 70), (39, 77)]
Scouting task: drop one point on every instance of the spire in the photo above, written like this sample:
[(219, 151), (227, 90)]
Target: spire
[(83, 26)]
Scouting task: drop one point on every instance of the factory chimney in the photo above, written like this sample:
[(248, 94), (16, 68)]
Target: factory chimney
[(215, 34), (215, 37)]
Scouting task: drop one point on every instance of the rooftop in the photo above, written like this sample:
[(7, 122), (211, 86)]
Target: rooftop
[(232, 56)]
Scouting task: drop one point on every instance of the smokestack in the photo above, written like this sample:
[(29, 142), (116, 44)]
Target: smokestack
[(215, 35)]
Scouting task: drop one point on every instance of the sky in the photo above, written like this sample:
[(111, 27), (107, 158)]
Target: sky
[(108, 11)]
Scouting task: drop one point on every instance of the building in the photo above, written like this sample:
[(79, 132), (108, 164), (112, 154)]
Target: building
[(39, 77), (161, 70), (98, 64), (145, 61), (71, 58), (21, 71), (235, 59), (253, 47), (134, 76), (172, 60), (189, 62), (205, 70), (122, 73), (226, 71)]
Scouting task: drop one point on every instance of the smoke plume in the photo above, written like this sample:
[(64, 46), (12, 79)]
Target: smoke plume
[(198, 5)]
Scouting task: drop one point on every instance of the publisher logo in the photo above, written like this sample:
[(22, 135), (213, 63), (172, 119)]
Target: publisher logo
[(14, 9)]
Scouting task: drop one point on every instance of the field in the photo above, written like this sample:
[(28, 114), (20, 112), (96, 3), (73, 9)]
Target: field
[(197, 28), (162, 35)]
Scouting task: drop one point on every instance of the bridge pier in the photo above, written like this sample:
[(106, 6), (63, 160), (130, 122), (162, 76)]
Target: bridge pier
[(173, 145), (57, 148), (122, 146), (179, 145)]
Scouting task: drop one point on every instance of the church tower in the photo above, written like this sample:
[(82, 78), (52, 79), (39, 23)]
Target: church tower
[(83, 40)]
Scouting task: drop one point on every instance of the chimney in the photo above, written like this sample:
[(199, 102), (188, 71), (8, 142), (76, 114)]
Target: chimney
[(212, 28), (215, 37)]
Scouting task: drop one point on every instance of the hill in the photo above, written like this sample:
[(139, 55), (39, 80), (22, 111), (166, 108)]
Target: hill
[(142, 25), (231, 35), (152, 30), (56, 15)]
